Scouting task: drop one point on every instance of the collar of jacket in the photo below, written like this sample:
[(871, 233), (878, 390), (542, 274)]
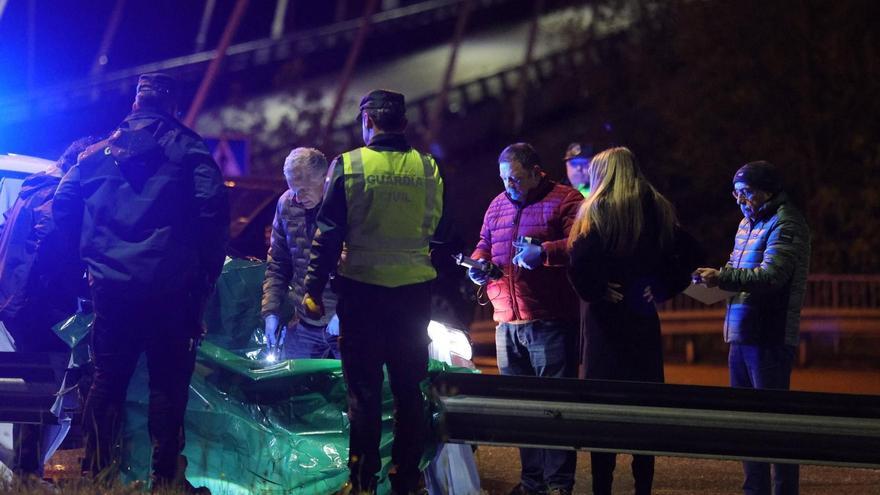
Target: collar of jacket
[(537, 194), (389, 141), (293, 202), (37, 181), (148, 114), (769, 208)]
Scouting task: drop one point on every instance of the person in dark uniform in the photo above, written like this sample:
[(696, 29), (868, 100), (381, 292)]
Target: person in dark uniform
[(382, 207), (577, 167), (148, 209), (39, 284)]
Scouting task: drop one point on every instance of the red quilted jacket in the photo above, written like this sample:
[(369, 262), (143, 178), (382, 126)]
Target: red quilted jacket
[(543, 293)]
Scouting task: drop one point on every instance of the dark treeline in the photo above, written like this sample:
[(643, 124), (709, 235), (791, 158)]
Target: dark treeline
[(698, 88)]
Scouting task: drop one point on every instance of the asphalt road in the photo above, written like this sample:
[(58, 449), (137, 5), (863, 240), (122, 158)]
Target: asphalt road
[(499, 472)]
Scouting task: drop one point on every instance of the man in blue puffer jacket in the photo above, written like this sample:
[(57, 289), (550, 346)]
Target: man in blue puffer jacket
[(768, 271)]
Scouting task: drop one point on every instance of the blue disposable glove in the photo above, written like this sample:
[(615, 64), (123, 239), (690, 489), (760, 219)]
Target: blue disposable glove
[(479, 277), (271, 330), (333, 326), (528, 255)]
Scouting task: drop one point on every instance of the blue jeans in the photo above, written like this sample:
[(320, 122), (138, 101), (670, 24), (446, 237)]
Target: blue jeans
[(540, 348), (307, 341), (756, 366)]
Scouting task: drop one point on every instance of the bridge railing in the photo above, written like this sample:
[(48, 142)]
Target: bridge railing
[(239, 57), (826, 291), (477, 105)]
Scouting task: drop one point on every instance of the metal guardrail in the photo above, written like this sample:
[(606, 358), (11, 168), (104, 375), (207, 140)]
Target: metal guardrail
[(838, 304), (29, 383), (661, 419), (823, 291)]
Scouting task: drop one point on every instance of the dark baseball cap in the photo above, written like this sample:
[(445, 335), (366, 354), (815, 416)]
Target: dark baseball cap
[(382, 98), (578, 151), (159, 83), (761, 175)]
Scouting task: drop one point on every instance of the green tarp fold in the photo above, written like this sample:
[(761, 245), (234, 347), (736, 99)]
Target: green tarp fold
[(251, 427)]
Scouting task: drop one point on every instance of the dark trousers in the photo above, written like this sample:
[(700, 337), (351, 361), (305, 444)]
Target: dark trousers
[(306, 341), (381, 326), (755, 366), (540, 348), (602, 466), (162, 328), (32, 332)]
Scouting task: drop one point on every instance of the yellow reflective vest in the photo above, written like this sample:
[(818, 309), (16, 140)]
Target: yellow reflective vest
[(394, 201)]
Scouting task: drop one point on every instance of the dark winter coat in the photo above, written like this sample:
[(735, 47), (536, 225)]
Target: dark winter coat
[(293, 230), (36, 274), (768, 268), (546, 215), (149, 208), (621, 341)]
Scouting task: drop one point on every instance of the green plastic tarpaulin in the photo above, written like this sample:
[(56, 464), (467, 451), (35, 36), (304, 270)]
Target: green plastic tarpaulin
[(251, 427)]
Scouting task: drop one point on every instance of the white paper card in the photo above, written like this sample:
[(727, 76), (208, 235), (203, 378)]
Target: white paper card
[(707, 295)]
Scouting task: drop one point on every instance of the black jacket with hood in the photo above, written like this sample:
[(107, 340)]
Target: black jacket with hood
[(149, 210), (37, 275)]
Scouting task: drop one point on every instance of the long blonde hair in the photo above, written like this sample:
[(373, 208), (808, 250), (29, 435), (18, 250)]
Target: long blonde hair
[(614, 207)]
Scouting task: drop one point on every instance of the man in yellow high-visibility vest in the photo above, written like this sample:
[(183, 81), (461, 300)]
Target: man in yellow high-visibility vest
[(382, 206)]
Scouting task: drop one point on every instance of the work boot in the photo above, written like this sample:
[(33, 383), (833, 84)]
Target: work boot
[(349, 489), (161, 486)]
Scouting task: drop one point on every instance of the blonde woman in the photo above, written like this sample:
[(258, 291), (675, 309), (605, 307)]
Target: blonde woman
[(622, 249)]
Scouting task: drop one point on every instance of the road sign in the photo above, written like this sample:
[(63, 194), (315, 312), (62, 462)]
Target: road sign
[(231, 155)]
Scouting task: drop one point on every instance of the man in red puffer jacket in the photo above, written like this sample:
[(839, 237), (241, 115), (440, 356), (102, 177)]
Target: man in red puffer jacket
[(524, 232)]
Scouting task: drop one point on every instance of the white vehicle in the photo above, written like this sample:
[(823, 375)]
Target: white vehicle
[(13, 170)]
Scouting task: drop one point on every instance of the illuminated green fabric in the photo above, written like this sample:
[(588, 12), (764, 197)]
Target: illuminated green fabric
[(251, 427)]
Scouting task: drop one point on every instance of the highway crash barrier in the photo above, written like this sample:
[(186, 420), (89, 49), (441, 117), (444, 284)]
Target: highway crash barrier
[(661, 419)]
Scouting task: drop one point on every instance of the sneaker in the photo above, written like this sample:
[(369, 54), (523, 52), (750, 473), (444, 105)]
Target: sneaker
[(559, 491)]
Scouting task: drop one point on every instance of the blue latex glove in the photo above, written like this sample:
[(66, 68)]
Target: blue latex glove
[(333, 326), (479, 277), (528, 255), (271, 330)]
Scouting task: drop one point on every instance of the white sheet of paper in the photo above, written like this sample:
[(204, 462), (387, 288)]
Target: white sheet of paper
[(707, 295)]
